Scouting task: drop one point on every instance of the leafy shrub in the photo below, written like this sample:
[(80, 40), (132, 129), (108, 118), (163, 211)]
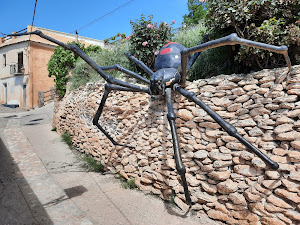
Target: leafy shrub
[(147, 38), (274, 22), (62, 60), (191, 35)]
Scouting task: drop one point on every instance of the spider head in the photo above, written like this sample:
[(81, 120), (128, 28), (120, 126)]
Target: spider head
[(163, 79)]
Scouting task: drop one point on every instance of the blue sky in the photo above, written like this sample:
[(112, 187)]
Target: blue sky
[(67, 16)]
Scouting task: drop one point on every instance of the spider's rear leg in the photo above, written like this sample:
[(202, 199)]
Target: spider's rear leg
[(126, 71), (179, 164), (108, 89), (139, 63)]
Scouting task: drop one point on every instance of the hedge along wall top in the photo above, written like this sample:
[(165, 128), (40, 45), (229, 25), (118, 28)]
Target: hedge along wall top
[(225, 180)]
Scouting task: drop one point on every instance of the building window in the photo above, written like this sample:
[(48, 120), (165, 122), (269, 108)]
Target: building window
[(20, 61), (4, 59)]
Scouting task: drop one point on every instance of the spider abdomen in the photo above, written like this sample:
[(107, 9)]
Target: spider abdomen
[(169, 56)]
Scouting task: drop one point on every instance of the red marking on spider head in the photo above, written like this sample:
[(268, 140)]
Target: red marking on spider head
[(165, 51)]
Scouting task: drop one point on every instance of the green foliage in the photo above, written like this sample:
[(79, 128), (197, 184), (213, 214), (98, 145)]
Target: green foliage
[(147, 38), (62, 60), (59, 65), (92, 165), (191, 36), (197, 12), (273, 22), (83, 73), (118, 38), (66, 137), (130, 184)]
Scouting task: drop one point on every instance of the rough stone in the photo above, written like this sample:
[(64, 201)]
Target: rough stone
[(237, 199), (203, 197), (219, 175), (274, 175), (246, 170), (184, 207), (245, 123), (225, 102), (283, 128), (201, 154), (290, 185), (185, 114), (295, 176), (271, 184), (227, 187), (292, 214), (258, 163), (216, 155), (252, 197), (271, 221), (296, 144), (288, 136), (294, 113), (279, 202), (211, 189), (217, 215)]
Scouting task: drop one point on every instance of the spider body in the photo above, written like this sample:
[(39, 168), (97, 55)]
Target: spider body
[(168, 68), (169, 56), (172, 64)]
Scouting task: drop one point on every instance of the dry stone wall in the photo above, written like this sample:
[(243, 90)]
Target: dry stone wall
[(226, 181)]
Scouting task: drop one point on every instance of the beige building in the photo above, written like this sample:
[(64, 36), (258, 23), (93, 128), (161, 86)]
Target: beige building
[(23, 65)]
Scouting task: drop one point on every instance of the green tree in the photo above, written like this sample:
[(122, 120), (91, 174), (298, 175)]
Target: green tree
[(197, 11)]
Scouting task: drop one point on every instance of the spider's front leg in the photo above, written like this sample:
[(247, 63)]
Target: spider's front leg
[(179, 164), (231, 130), (232, 39), (108, 89)]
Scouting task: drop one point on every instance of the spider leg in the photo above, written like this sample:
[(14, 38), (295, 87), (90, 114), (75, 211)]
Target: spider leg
[(179, 164), (231, 130), (232, 39), (108, 89), (126, 71), (74, 48), (139, 63)]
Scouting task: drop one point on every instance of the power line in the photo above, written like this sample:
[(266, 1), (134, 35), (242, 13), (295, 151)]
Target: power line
[(103, 16)]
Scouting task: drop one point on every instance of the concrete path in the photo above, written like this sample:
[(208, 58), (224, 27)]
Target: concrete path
[(43, 182)]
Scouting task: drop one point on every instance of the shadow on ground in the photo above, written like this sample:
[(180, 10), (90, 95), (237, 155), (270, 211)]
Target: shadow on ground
[(18, 203)]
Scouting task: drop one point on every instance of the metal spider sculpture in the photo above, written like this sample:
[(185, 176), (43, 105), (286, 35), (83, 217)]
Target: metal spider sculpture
[(172, 64)]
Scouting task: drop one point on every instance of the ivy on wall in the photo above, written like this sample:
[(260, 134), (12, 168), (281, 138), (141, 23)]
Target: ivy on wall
[(62, 61)]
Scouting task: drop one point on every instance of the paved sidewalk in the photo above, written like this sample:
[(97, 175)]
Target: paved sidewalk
[(43, 182)]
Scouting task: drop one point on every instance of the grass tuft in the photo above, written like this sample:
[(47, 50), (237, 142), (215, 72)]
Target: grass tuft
[(92, 165), (66, 137)]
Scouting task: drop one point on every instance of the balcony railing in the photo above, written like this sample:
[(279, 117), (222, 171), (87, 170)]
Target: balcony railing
[(17, 69)]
